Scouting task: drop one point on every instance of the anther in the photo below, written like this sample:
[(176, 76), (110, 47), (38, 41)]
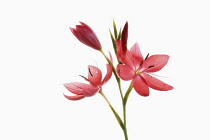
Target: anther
[(150, 67), (90, 72), (146, 56)]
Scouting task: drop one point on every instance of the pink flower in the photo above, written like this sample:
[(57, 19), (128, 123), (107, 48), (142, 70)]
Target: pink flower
[(137, 69), (82, 90), (86, 35)]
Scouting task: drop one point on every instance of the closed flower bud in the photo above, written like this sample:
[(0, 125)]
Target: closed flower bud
[(86, 35)]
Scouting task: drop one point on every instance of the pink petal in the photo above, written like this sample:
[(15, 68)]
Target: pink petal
[(140, 86), (108, 74), (136, 53), (155, 83), (154, 63), (110, 57), (77, 35), (85, 25), (74, 98), (124, 55), (74, 88), (125, 72), (81, 88), (121, 49), (94, 75), (89, 90)]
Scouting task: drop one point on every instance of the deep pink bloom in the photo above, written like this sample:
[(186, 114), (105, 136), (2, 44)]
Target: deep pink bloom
[(137, 69), (82, 90), (86, 35)]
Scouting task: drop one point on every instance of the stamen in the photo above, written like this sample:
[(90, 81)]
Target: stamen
[(150, 67), (84, 77), (90, 72), (146, 56), (137, 72)]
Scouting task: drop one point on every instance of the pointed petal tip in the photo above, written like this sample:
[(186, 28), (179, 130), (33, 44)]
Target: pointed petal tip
[(82, 23), (110, 57), (126, 23), (65, 84), (72, 29), (108, 74), (74, 98), (144, 95), (171, 88)]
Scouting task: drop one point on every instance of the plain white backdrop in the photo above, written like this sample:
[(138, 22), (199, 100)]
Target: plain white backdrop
[(38, 53)]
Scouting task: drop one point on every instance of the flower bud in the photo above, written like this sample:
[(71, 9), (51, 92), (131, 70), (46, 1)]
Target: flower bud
[(86, 35)]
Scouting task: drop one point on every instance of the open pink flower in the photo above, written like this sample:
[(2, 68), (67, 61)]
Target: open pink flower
[(86, 35), (82, 90), (137, 69)]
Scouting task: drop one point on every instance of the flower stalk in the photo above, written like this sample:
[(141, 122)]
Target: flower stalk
[(131, 67)]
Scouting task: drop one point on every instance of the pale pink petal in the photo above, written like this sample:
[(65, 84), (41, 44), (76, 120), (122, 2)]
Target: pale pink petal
[(154, 63), (108, 74), (89, 90), (110, 57), (125, 72), (155, 83), (74, 87), (140, 86), (94, 75), (137, 56), (81, 88), (74, 98)]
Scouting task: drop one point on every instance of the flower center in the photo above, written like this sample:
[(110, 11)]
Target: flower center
[(137, 72)]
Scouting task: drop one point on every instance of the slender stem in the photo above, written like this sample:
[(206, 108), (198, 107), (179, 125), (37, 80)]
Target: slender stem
[(114, 112), (124, 106), (124, 99), (103, 95), (116, 116), (115, 73)]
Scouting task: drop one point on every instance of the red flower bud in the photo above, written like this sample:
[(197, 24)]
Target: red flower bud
[(86, 35), (125, 34)]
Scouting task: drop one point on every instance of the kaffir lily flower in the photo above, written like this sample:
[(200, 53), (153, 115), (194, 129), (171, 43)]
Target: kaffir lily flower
[(137, 69), (86, 35), (82, 90)]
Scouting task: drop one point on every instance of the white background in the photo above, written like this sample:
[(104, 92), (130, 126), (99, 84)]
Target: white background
[(38, 53)]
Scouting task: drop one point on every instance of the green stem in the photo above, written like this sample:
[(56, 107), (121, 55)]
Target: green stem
[(116, 116), (127, 94), (114, 112), (115, 73), (124, 99), (124, 107)]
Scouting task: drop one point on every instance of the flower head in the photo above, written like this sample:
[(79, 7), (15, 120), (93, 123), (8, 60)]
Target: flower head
[(86, 35), (138, 70), (82, 90)]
